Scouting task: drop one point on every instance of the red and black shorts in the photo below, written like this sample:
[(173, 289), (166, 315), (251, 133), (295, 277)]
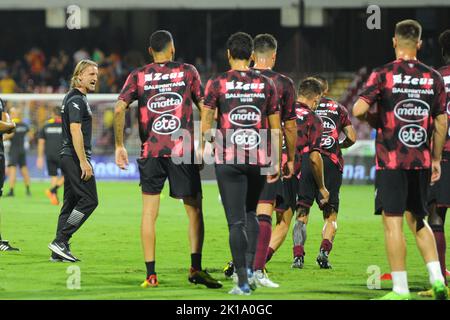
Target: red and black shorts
[(287, 195), (397, 191), (308, 190), (184, 179), (439, 193)]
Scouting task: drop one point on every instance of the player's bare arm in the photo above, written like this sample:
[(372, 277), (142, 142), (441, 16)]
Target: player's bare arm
[(317, 169), (208, 117), (439, 137), (275, 127), (290, 134), (350, 137), (78, 144), (119, 124)]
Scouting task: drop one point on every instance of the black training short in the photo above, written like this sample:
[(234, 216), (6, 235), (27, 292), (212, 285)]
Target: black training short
[(269, 192), (439, 193), (184, 179), (2, 173), (308, 190), (287, 195), (53, 164), (17, 159), (397, 191)]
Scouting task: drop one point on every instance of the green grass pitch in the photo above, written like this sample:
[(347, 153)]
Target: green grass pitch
[(112, 264)]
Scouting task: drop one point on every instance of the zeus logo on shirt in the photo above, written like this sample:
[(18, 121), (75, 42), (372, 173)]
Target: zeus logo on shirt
[(163, 76), (406, 79), (238, 85)]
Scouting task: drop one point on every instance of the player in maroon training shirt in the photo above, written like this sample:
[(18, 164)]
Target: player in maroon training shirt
[(265, 50), (308, 162), (411, 109), (439, 193), (247, 104), (165, 91), (336, 121)]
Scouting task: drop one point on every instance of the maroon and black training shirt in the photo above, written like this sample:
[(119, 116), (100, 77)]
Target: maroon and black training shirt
[(165, 93), (245, 100), (409, 95)]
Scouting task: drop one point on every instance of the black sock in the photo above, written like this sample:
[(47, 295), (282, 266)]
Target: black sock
[(54, 189), (28, 188), (150, 265), (0, 237), (196, 261), (11, 191)]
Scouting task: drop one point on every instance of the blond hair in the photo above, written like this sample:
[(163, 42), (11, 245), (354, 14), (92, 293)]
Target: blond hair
[(81, 66)]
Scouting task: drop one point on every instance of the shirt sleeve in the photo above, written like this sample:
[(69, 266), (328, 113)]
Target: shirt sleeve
[(315, 134), (287, 104), (273, 106), (345, 117), (196, 86), (212, 91), (75, 110), (440, 100), (129, 90), (371, 91)]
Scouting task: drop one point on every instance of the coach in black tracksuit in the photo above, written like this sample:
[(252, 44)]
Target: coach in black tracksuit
[(80, 191)]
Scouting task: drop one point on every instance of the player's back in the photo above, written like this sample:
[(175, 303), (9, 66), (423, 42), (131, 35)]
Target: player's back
[(18, 139), (408, 94), (165, 93), (245, 100), (52, 133), (309, 132)]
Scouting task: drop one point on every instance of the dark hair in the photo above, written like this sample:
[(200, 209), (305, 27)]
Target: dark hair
[(240, 45), (409, 30), (309, 88), (444, 41), (57, 111), (323, 81), (265, 42), (160, 39)]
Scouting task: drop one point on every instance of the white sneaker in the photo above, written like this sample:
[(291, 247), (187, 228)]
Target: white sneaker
[(234, 277), (252, 281), (238, 291), (262, 280)]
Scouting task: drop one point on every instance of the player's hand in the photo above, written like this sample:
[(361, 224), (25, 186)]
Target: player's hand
[(325, 197), (121, 158), (86, 170), (288, 170), (273, 177), (40, 163), (435, 171), (11, 123)]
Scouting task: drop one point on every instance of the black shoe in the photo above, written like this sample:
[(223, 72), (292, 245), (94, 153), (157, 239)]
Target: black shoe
[(62, 249), (298, 262), (10, 193), (203, 277), (57, 258), (228, 270), (322, 260), (5, 246)]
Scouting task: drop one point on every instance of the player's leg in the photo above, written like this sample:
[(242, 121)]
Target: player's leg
[(392, 189), (333, 182), (153, 173), (436, 220), (4, 244), (232, 182), (259, 207), (185, 183), (417, 199), (279, 232), (55, 181), (86, 191), (12, 172), (299, 237), (26, 179)]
